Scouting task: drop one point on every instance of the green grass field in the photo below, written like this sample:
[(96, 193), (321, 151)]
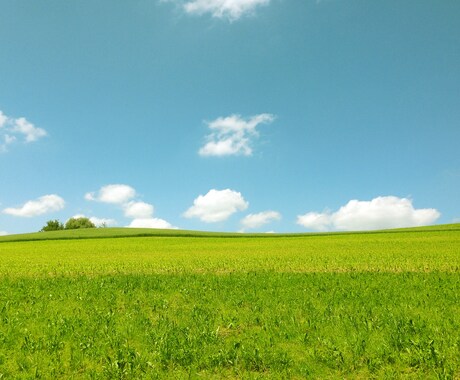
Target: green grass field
[(133, 304)]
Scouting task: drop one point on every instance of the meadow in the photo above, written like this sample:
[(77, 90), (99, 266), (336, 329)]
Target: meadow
[(142, 304)]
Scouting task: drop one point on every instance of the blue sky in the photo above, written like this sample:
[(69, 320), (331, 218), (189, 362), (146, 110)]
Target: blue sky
[(254, 115)]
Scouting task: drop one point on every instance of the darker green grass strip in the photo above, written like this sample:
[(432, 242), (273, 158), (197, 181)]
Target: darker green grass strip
[(112, 233)]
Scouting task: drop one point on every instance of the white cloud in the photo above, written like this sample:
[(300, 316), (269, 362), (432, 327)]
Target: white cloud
[(12, 130), (260, 219), (98, 222), (138, 210), (42, 205), (30, 132), (232, 135), (3, 119), (315, 221), (379, 213), (3, 233), (77, 216), (151, 223), (9, 139), (216, 205), (122, 195), (227, 9), (117, 194)]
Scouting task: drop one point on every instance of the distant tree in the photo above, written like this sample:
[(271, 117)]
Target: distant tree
[(52, 225), (75, 223)]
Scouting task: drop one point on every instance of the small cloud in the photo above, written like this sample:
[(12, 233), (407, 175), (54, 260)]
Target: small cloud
[(117, 194), (379, 213), (231, 10), (257, 220), (20, 129), (216, 205), (151, 223), (3, 233), (42, 205), (90, 196), (3, 119), (316, 221), (9, 139), (98, 222), (232, 135), (28, 130), (122, 195), (456, 220), (139, 210)]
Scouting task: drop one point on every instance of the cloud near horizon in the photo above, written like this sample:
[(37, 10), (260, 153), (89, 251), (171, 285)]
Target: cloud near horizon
[(258, 220), (232, 135), (20, 129), (379, 213), (216, 206), (3, 233), (151, 223), (98, 222), (231, 10), (140, 212), (43, 205)]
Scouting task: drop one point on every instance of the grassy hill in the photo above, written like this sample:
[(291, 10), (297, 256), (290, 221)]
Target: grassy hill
[(120, 232), (160, 304)]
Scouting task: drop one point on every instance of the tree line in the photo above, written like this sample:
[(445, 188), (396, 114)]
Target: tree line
[(71, 224)]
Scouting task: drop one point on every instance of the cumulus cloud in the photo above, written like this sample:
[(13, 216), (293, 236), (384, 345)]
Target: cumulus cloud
[(3, 119), (28, 130), (216, 205), (151, 223), (117, 194), (257, 220), (232, 135), (9, 139), (379, 213), (316, 221), (138, 210), (122, 196), (42, 205), (20, 129), (142, 214), (3, 233), (231, 10), (98, 222)]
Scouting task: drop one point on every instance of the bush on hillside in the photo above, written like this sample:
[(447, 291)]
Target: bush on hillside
[(75, 223), (52, 225)]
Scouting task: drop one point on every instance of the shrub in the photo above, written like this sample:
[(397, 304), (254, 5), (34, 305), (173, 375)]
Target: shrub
[(52, 225), (75, 223)]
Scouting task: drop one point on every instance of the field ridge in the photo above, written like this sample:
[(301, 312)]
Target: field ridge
[(125, 232)]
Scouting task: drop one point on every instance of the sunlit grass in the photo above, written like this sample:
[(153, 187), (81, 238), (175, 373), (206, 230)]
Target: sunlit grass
[(373, 305)]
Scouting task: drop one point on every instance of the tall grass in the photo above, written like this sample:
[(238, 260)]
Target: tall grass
[(345, 306)]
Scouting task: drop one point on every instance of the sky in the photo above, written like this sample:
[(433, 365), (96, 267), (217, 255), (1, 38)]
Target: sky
[(236, 115)]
